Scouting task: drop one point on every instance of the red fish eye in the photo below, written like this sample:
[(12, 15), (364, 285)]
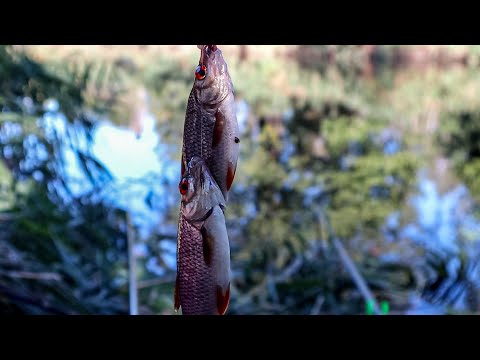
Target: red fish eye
[(183, 186), (201, 72)]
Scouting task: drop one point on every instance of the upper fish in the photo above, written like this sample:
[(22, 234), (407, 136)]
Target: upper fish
[(211, 128)]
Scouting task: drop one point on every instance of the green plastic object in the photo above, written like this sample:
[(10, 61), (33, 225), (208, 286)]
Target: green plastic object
[(384, 308), (369, 308)]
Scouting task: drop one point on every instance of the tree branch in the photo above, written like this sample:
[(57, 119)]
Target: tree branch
[(132, 269)]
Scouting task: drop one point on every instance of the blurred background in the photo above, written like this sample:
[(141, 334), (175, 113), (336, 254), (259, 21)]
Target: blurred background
[(356, 190)]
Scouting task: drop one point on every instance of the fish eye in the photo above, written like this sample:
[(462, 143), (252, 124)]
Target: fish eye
[(201, 72), (183, 186)]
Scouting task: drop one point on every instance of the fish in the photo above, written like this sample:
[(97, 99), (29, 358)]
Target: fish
[(202, 284), (211, 128)]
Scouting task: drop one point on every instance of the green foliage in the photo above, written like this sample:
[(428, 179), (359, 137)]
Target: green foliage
[(367, 184), (22, 77)]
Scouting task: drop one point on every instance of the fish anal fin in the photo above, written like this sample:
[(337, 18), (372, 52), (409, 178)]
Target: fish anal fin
[(223, 299)]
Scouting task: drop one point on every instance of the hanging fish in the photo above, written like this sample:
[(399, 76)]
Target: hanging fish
[(203, 251), (211, 127)]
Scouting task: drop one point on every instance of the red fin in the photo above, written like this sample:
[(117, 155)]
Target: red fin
[(176, 296), (230, 176), (223, 299), (218, 129)]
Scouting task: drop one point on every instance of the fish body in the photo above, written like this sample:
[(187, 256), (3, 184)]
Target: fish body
[(211, 127), (203, 251)]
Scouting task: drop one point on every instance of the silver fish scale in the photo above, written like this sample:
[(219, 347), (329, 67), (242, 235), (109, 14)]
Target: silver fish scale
[(198, 133), (197, 289)]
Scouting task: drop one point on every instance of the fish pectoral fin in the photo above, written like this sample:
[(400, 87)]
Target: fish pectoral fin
[(176, 296), (218, 128), (223, 299), (207, 241)]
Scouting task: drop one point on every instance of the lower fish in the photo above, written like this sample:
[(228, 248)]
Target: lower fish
[(203, 250)]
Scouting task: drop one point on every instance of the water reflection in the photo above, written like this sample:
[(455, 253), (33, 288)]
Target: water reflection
[(445, 226), (143, 175)]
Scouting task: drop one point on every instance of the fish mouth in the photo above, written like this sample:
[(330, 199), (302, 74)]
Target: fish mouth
[(212, 81), (194, 176)]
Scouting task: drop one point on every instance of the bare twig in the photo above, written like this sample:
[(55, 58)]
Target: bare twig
[(133, 289), (32, 275), (318, 305), (350, 266), (271, 285), (356, 276)]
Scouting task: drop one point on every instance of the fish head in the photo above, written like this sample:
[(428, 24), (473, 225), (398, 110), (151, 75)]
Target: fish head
[(200, 193), (212, 79)]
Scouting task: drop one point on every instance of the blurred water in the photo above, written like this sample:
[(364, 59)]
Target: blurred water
[(419, 306), (441, 218), (143, 175), (441, 225)]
